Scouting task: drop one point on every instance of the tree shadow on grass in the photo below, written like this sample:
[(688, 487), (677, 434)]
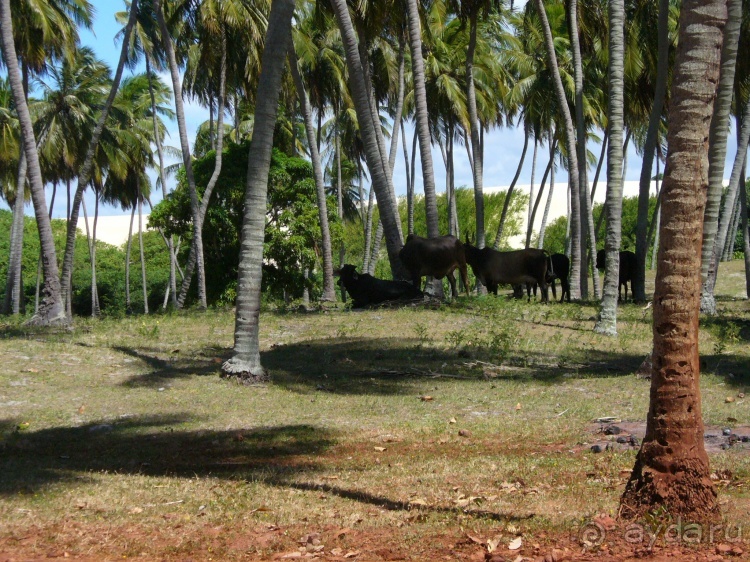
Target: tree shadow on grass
[(172, 367), (282, 457), (154, 446)]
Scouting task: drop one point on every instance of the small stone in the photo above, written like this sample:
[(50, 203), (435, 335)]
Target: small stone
[(622, 439), (726, 432), (596, 448), (612, 430), (725, 446), (745, 439), (634, 441), (464, 433), (729, 399), (740, 395)]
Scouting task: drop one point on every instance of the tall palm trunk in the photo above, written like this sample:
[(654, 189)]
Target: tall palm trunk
[(537, 200), (422, 118), (84, 176), (95, 308), (398, 119), (732, 238), (128, 307), (245, 363), (410, 195), (196, 249), (13, 288), (160, 152), (409, 179), (381, 182), (717, 151), (329, 289), (52, 310), (575, 210), (368, 230), (660, 94), (509, 194), (531, 182), (548, 205), (39, 264), (745, 238), (476, 147), (607, 321), (671, 470), (140, 247)]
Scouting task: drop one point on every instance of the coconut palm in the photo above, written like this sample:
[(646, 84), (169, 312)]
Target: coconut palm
[(671, 470), (607, 321), (245, 363), (52, 310)]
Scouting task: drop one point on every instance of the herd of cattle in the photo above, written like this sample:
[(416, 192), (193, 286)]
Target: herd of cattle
[(440, 257)]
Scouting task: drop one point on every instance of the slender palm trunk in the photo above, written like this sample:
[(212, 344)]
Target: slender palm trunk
[(660, 93), (92, 259), (476, 145), (537, 200), (422, 118), (745, 238), (410, 195), (368, 231), (128, 307), (52, 310), (509, 194), (657, 219), (84, 176), (39, 264), (95, 308), (717, 151), (245, 363), (543, 227), (732, 237), (607, 321), (575, 210), (409, 178), (143, 257), (671, 471), (398, 119), (163, 180), (602, 154), (13, 288), (196, 249), (531, 183), (329, 289), (377, 242), (381, 182)]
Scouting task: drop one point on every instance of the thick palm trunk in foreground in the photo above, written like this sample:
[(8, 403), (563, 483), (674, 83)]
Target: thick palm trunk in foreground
[(671, 469), (52, 309), (245, 363)]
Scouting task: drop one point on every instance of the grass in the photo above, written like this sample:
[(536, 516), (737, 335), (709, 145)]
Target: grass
[(401, 429)]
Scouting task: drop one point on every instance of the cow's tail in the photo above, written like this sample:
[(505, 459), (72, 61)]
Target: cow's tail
[(551, 270)]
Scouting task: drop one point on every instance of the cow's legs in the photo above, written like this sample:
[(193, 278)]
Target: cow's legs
[(554, 291), (452, 281), (464, 277)]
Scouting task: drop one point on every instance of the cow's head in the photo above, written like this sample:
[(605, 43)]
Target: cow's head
[(347, 274)]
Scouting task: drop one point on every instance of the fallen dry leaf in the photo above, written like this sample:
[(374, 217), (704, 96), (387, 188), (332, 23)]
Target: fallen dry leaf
[(492, 544), (426, 398), (474, 539), (515, 544), (81, 409), (380, 449), (352, 554), (518, 406), (452, 420), (288, 555), (729, 399), (419, 502)]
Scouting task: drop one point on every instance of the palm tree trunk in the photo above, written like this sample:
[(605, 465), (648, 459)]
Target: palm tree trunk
[(91, 258), (745, 238), (13, 288), (672, 470), (562, 103), (140, 246), (732, 238), (531, 183), (410, 195), (530, 226), (607, 321), (476, 146), (52, 310), (509, 194), (95, 309), (543, 227), (660, 93), (377, 242), (422, 118), (84, 176), (128, 307), (657, 219), (195, 204), (370, 130), (39, 264), (162, 178), (329, 290), (368, 231), (409, 178), (245, 363), (398, 119)]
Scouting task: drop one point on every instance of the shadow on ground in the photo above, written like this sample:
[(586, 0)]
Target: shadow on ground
[(168, 366)]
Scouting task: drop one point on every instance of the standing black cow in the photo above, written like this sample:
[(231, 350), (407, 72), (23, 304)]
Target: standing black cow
[(516, 267), (627, 270), (558, 267), (367, 290), (436, 257)]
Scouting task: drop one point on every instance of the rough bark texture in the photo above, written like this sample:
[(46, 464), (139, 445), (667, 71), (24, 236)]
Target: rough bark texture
[(671, 469), (381, 182), (52, 309), (13, 289), (745, 238), (660, 94), (245, 363), (607, 321), (329, 290), (717, 151), (570, 145), (422, 118), (476, 149)]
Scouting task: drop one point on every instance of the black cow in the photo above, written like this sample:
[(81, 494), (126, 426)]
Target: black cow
[(367, 290), (558, 267), (627, 270), (516, 267), (436, 257)]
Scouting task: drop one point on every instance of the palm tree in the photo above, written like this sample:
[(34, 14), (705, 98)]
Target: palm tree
[(245, 363), (570, 144), (52, 310), (372, 139), (607, 321), (671, 469)]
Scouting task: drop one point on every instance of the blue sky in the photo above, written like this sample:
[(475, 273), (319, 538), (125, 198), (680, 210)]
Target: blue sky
[(502, 146)]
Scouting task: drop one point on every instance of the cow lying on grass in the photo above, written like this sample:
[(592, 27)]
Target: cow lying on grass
[(367, 290)]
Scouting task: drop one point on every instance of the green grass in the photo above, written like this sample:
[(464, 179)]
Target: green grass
[(119, 436)]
